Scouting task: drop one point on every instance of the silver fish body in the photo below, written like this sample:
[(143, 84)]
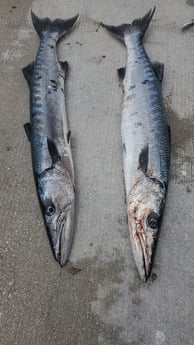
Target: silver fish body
[(49, 136), (145, 144)]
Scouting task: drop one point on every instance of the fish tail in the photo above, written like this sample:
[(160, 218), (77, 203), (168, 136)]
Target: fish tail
[(138, 25), (58, 26)]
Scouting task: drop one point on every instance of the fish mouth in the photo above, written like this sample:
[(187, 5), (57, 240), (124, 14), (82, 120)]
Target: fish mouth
[(61, 237), (143, 246)]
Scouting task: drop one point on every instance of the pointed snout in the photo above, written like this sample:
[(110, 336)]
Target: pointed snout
[(61, 236), (143, 246), (66, 239)]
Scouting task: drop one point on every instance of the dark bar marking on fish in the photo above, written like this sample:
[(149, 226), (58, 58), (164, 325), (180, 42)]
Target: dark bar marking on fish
[(132, 87), (53, 151), (130, 97), (38, 77), (158, 69), (121, 72), (145, 81), (27, 128), (169, 134), (138, 124), (27, 71), (143, 160), (38, 106), (135, 113), (53, 84), (36, 113), (37, 98)]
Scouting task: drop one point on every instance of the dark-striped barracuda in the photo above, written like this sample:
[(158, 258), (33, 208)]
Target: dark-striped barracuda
[(50, 138), (145, 143)]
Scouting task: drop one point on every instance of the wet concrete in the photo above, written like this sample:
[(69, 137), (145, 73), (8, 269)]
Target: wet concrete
[(98, 298), (190, 2)]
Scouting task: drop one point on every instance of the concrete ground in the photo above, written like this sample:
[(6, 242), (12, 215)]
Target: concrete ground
[(105, 303)]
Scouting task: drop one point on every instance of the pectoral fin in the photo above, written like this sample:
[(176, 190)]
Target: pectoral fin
[(53, 151), (143, 159)]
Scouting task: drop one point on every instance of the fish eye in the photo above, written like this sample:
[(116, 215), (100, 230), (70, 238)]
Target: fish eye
[(152, 220), (50, 210)]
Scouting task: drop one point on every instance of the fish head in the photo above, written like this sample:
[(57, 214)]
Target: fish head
[(145, 207), (57, 199)]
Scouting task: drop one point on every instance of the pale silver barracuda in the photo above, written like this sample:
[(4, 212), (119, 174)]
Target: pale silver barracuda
[(49, 136), (145, 143)]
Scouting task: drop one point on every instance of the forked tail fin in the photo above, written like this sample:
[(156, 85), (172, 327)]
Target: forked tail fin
[(59, 26), (138, 25)]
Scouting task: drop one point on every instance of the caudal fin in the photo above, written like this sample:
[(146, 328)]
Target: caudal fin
[(58, 26), (138, 25)]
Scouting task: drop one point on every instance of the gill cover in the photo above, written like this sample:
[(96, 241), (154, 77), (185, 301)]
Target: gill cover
[(145, 207), (56, 194)]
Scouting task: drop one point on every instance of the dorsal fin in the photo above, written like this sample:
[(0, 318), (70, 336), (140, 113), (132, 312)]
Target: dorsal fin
[(64, 66), (158, 69)]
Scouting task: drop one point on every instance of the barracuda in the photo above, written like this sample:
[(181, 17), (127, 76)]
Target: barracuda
[(49, 136), (145, 143)]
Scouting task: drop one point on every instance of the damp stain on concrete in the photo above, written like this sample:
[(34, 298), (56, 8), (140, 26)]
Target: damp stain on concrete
[(182, 147), (94, 294), (190, 2)]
